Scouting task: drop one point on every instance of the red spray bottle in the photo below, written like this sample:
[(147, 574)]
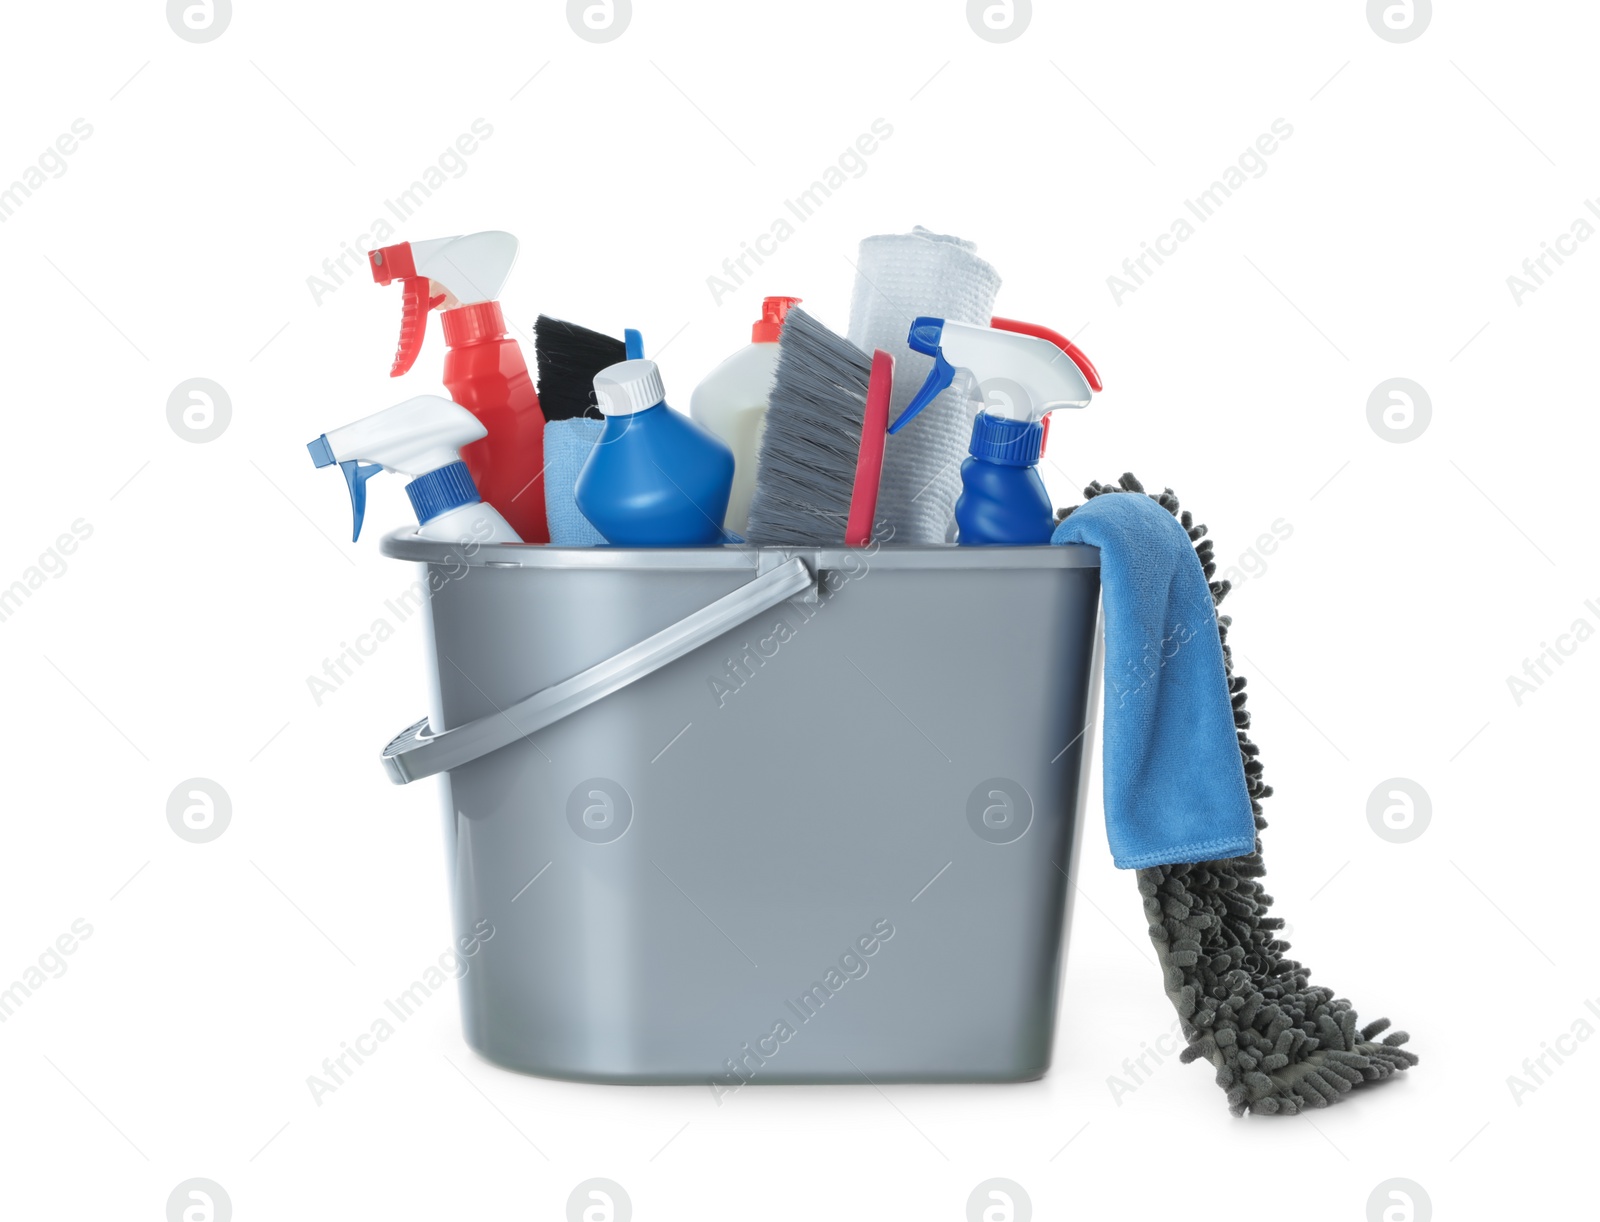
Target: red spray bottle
[(483, 368)]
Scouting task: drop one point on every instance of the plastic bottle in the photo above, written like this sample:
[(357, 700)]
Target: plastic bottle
[(422, 438), (484, 369), (1003, 499), (1017, 371), (731, 401), (655, 478)]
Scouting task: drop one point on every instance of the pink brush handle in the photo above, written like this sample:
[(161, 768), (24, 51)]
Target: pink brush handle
[(869, 462)]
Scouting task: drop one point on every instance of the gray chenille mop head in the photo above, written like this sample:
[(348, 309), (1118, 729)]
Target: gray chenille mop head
[(1278, 1043)]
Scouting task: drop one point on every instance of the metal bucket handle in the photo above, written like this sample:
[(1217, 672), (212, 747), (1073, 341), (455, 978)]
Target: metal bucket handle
[(417, 751)]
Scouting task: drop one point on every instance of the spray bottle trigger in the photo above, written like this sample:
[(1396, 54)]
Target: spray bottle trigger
[(414, 307), (356, 475), (940, 377), (634, 343)]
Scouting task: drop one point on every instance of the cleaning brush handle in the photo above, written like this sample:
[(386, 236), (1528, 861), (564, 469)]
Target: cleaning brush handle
[(869, 462)]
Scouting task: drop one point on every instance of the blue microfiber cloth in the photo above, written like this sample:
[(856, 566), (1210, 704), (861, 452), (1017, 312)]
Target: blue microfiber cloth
[(1174, 780), (566, 448)]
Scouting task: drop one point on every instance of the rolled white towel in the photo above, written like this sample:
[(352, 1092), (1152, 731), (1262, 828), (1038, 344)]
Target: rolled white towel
[(900, 277)]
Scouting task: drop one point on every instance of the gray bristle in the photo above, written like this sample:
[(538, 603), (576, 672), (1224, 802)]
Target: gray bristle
[(807, 466)]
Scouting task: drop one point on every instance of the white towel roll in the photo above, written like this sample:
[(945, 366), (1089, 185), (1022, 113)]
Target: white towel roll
[(900, 277)]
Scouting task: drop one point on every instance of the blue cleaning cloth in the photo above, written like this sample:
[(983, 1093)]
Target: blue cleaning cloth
[(1174, 779), (566, 448)]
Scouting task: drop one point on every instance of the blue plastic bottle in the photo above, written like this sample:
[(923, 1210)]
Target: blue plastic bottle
[(1003, 501), (655, 478)]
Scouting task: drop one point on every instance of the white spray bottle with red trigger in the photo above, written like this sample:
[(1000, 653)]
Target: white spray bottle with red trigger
[(421, 438)]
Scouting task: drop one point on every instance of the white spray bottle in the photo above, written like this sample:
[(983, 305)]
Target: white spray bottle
[(420, 438), (1019, 372)]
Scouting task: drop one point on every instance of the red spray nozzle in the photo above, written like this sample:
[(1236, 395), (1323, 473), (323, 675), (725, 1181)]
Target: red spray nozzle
[(391, 263), (773, 311)]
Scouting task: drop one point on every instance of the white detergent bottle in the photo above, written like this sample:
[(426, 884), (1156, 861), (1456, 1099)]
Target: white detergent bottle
[(732, 402), (420, 438)]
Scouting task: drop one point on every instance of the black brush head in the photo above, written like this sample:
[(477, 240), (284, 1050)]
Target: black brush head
[(806, 471), (568, 357)]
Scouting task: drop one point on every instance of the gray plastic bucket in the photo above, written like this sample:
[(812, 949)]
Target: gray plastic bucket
[(736, 815)]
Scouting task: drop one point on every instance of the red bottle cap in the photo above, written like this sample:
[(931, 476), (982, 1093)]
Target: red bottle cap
[(470, 323), (773, 311)]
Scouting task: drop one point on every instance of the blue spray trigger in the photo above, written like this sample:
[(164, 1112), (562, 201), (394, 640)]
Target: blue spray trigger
[(939, 378), (634, 343), (356, 475), (925, 336)]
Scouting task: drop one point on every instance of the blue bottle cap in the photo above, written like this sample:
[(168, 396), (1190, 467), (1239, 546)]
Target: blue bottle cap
[(440, 491), (1010, 443)]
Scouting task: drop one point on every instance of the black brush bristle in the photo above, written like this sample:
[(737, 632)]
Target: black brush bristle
[(568, 357), (807, 467)]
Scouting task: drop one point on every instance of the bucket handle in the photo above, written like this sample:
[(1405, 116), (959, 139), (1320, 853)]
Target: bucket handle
[(418, 752)]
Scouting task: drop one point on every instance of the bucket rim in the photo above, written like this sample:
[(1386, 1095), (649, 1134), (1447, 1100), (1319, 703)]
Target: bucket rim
[(404, 544)]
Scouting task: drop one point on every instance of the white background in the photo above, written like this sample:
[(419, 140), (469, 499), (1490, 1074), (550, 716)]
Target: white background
[(1378, 638)]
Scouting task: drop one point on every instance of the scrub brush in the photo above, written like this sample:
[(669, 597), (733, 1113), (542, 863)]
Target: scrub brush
[(568, 357), (821, 456)]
